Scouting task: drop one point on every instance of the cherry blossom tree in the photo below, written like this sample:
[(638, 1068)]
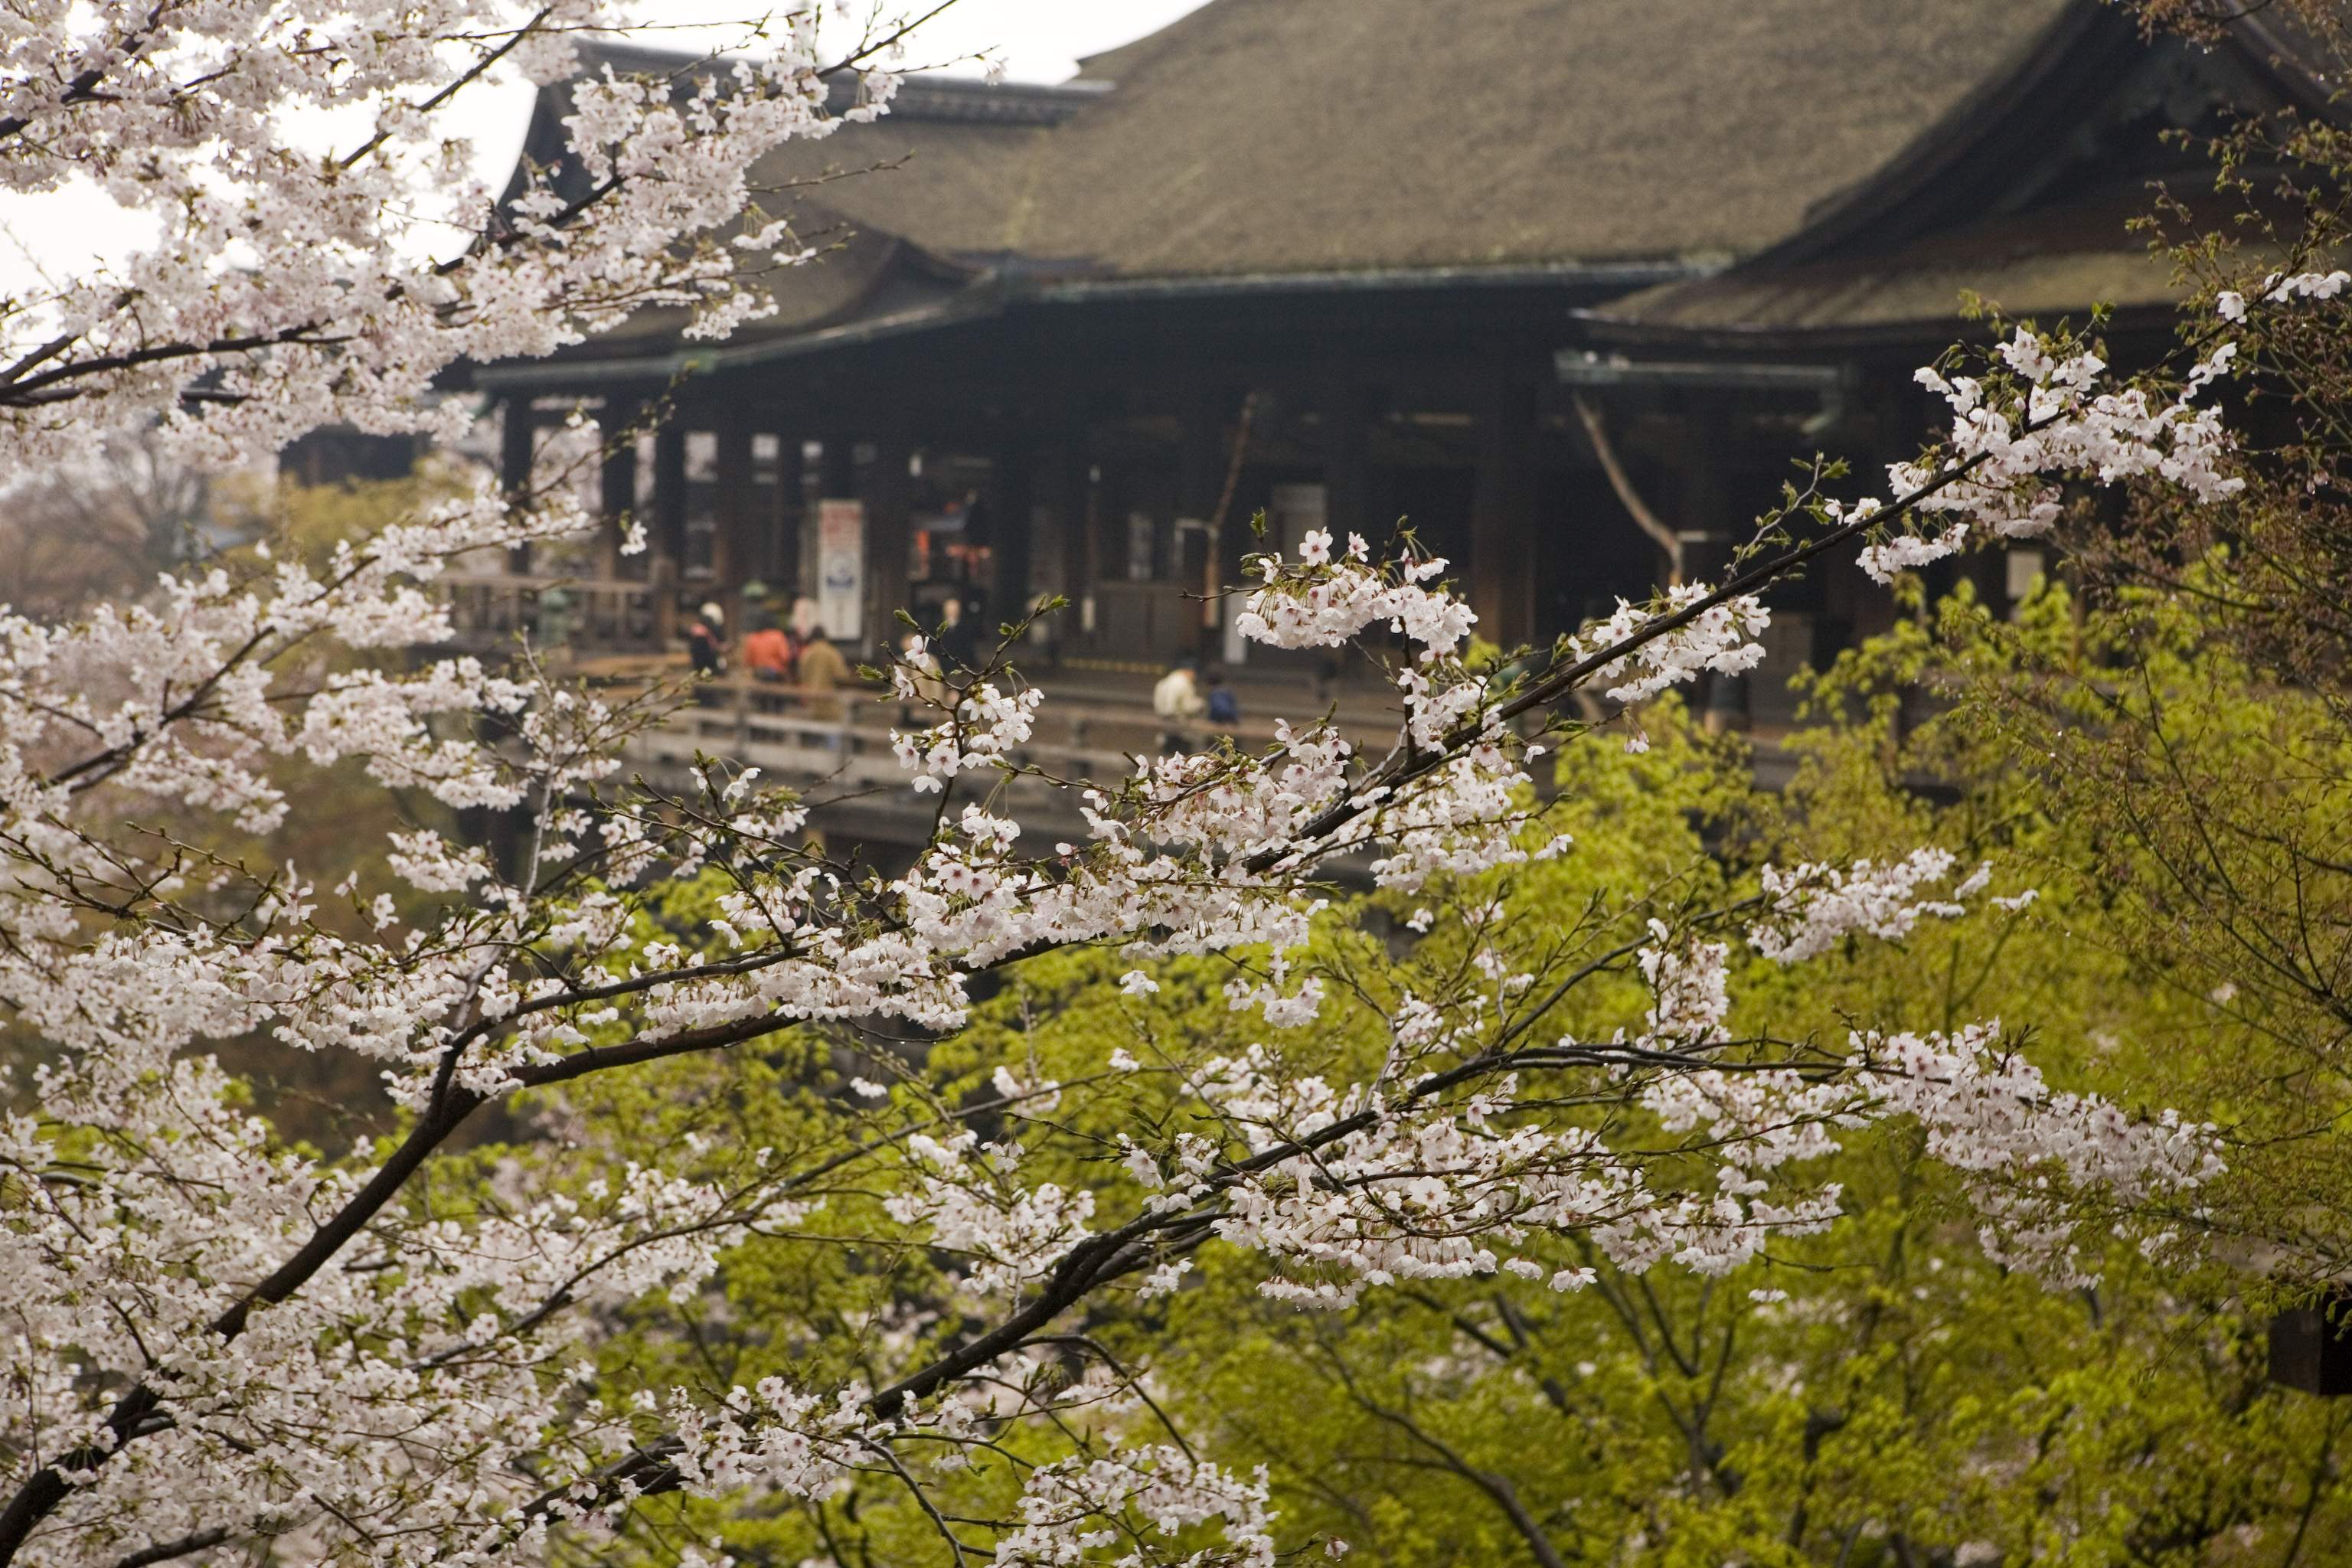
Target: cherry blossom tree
[(217, 1342)]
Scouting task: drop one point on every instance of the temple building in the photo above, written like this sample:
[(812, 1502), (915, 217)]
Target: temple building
[(1562, 286)]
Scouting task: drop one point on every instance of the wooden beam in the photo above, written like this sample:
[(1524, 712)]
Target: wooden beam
[(1587, 413), (1064, 489), (1347, 409), (667, 540), (668, 543), (1204, 458), (837, 467), (783, 553), (1710, 533)]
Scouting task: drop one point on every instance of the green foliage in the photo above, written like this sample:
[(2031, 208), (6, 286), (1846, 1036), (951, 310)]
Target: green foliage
[(1884, 1395)]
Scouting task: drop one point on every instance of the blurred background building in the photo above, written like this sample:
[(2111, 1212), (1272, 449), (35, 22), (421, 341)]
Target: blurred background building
[(1563, 286)]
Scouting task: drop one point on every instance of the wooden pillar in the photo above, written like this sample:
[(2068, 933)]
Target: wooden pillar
[(515, 452), (1017, 506), (1503, 515), (783, 571), (1348, 409), (735, 545), (1064, 488), (887, 493), (1202, 454), (1708, 535), (837, 467), (617, 483), (669, 526)]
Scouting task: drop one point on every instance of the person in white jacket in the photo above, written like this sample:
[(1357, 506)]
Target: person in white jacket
[(1177, 700)]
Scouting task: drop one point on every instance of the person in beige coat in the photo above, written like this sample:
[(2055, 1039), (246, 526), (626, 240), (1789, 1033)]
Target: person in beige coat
[(821, 668)]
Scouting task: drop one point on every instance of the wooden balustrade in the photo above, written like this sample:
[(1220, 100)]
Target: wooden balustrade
[(844, 733), (490, 608)]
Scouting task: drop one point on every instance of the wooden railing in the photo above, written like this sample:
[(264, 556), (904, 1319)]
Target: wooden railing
[(490, 608), (844, 734)]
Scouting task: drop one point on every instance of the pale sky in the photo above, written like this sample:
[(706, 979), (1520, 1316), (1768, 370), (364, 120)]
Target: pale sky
[(1036, 40)]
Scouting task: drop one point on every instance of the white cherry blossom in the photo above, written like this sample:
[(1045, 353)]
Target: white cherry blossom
[(215, 1339)]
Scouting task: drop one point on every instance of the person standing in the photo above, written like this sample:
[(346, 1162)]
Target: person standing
[(1225, 707), (767, 652), (705, 639), (1176, 701), (805, 626), (820, 669)]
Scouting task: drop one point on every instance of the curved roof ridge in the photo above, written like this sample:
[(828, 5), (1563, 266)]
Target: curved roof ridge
[(1981, 115), (1108, 66), (921, 95)]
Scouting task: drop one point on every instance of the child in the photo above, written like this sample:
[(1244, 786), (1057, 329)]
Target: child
[(1224, 708)]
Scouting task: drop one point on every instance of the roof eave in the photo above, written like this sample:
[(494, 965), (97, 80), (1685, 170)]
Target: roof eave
[(566, 374), (1597, 276), (1819, 343)]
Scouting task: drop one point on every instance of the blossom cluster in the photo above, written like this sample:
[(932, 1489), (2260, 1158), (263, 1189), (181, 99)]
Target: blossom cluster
[(302, 282), (2006, 447), (1720, 637), (983, 729)]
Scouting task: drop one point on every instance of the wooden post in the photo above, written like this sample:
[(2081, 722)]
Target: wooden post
[(1201, 457), (783, 564), (515, 452), (1015, 503), (1502, 522), (1066, 486), (668, 531), (1346, 410), (890, 539), (1709, 537), (616, 482), (734, 545), (837, 468)]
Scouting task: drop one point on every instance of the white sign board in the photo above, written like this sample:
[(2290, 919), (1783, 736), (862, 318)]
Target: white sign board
[(841, 568)]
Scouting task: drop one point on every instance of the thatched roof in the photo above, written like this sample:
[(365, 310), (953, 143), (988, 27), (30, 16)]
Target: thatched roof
[(2045, 263), (951, 168), (2027, 206), (1268, 136), (1254, 142), (1271, 136)]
